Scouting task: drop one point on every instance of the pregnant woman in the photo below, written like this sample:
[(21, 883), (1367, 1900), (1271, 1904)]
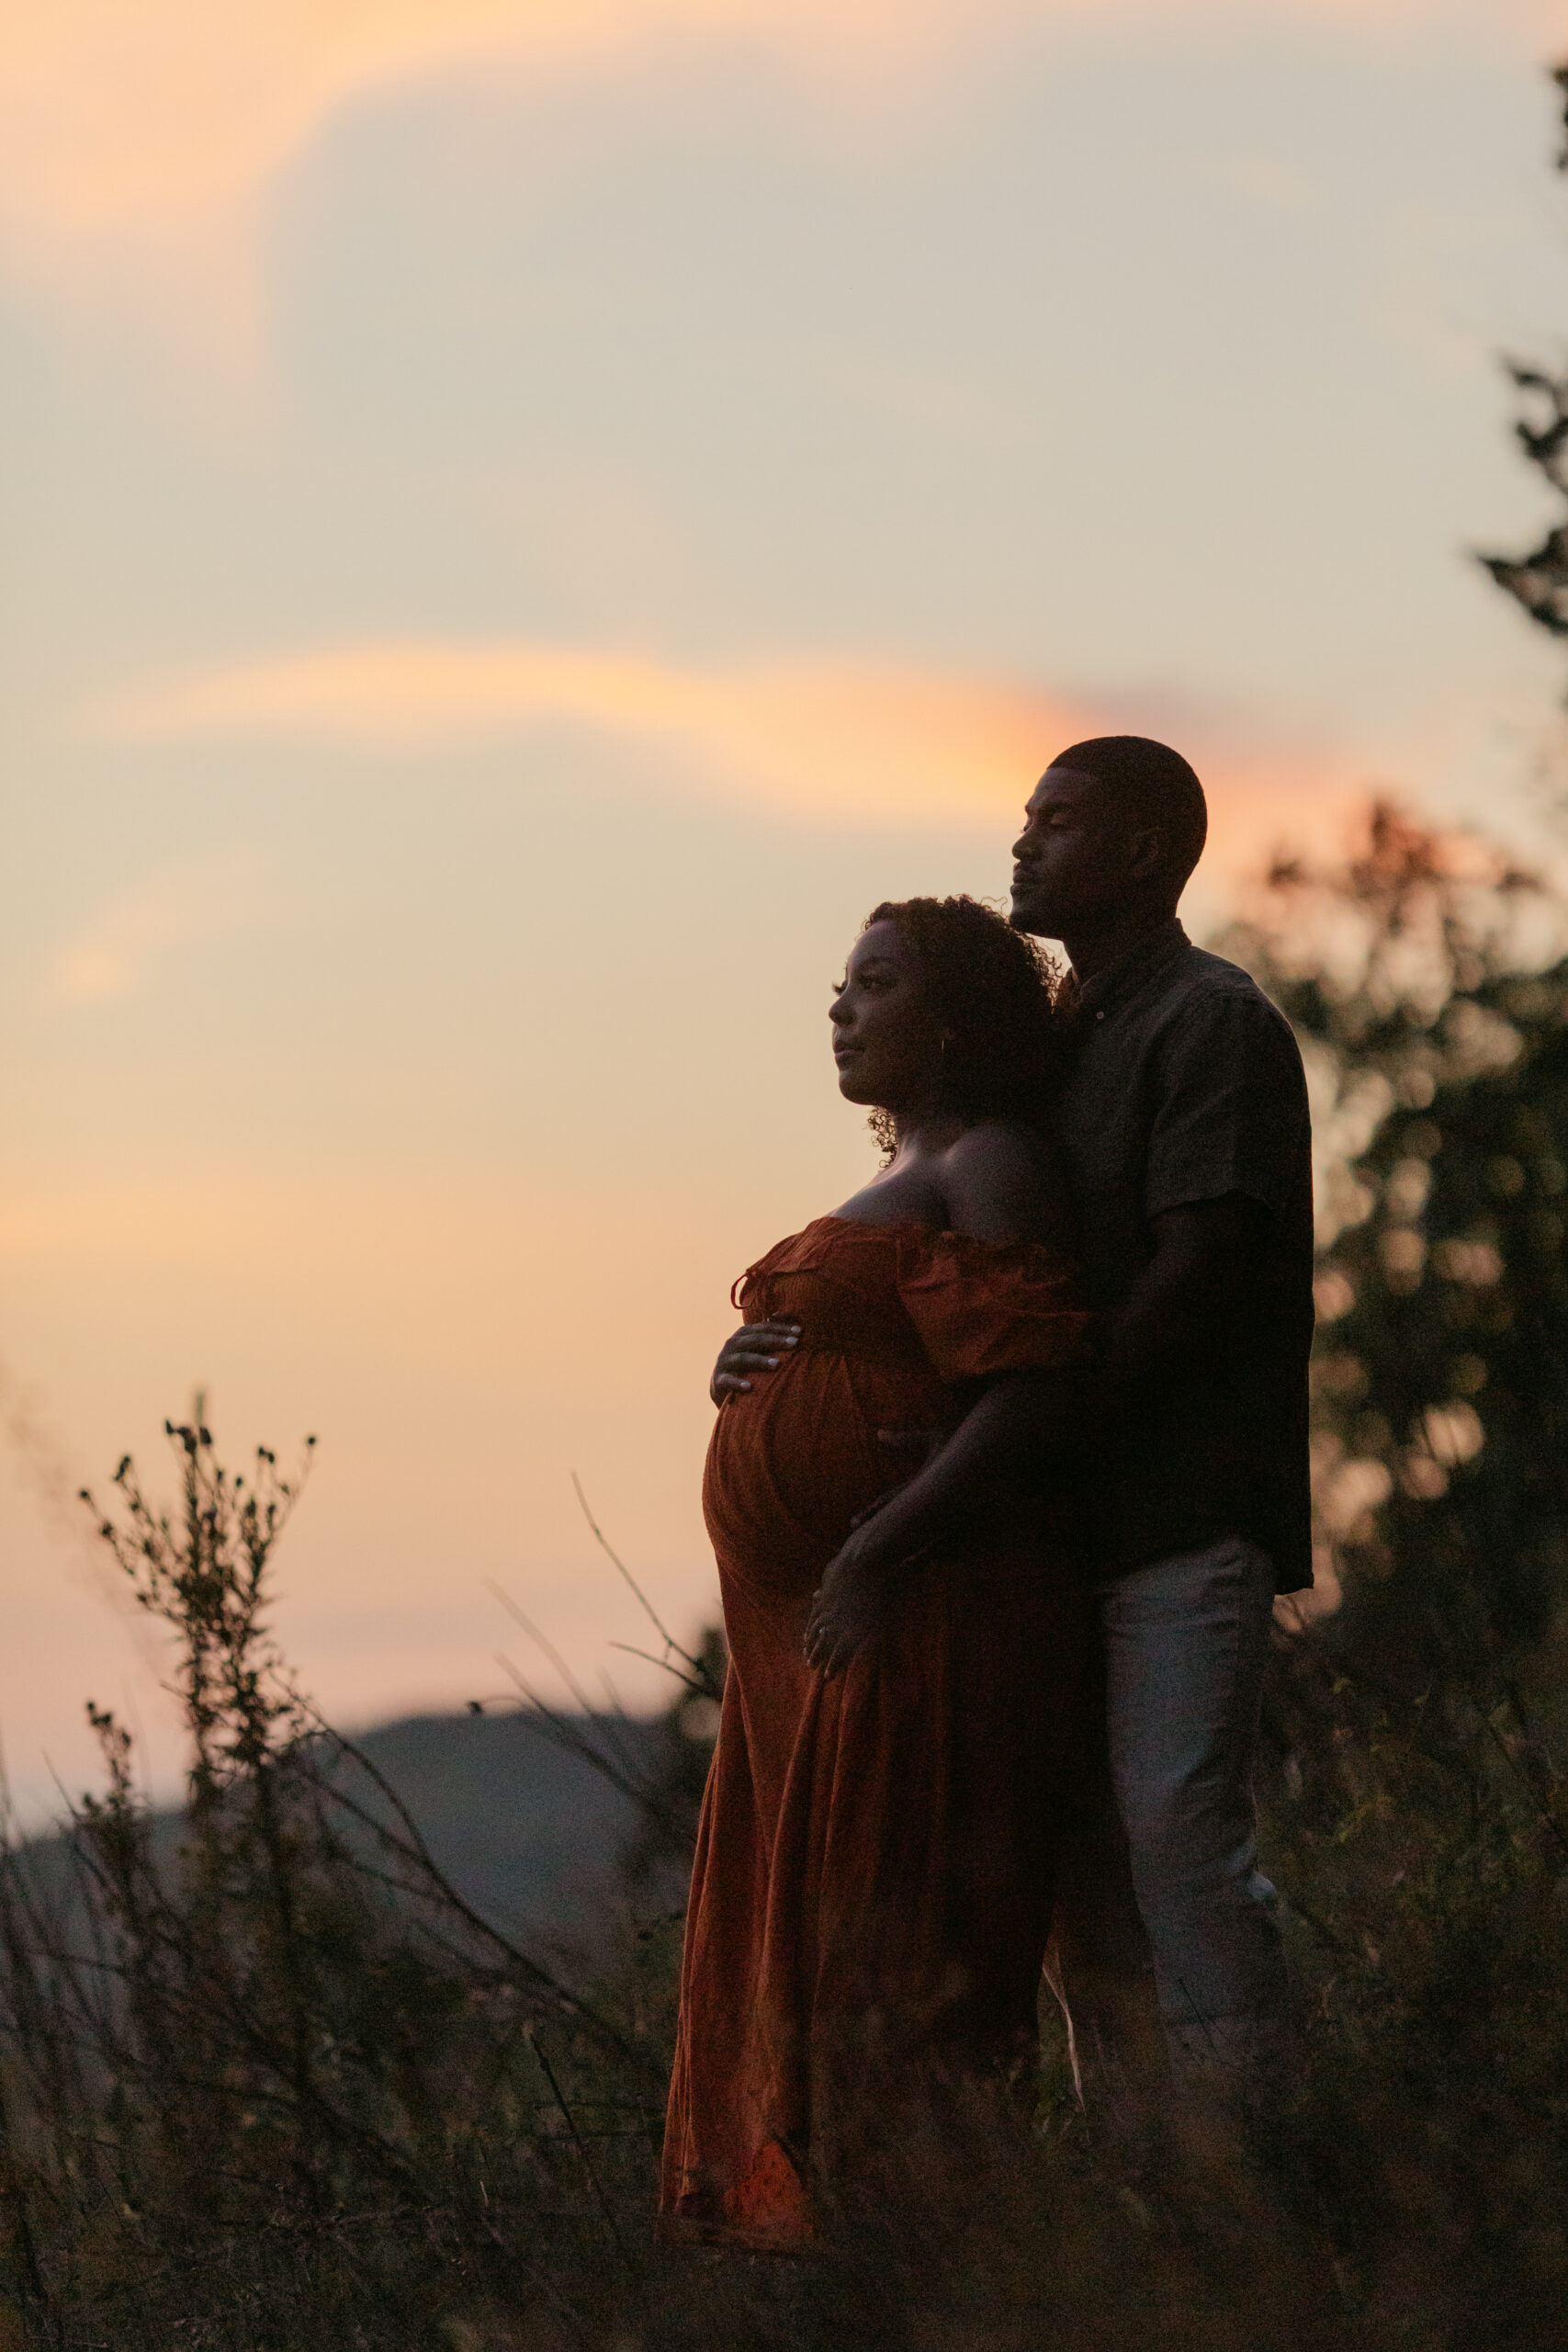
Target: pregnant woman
[(872, 1894)]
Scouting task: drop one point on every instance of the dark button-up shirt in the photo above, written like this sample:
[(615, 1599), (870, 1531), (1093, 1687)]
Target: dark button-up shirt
[(1185, 1084)]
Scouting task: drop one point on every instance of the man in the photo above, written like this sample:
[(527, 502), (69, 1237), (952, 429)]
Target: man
[(1185, 1128)]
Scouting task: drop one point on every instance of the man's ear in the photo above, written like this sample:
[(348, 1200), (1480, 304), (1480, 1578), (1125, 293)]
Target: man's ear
[(1148, 854)]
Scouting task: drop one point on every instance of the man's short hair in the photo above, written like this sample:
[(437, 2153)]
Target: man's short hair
[(1155, 780)]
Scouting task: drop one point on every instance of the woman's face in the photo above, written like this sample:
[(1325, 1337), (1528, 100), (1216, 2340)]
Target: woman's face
[(886, 1040)]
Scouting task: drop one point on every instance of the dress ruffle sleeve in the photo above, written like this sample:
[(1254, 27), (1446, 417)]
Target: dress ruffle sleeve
[(982, 1308)]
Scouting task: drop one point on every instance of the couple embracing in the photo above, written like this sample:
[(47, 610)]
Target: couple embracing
[(1009, 1701)]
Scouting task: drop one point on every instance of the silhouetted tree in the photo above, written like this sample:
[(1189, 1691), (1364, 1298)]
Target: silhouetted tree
[(1414, 1805), (1538, 580), (1425, 979)]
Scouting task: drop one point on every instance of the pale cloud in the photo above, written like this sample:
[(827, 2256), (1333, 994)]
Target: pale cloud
[(149, 130), (837, 742), (152, 125), (1264, 179), (193, 898)]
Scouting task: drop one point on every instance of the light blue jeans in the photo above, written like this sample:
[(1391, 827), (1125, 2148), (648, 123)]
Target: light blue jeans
[(1172, 1837)]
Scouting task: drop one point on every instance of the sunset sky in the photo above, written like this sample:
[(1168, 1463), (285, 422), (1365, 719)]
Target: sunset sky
[(522, 519)]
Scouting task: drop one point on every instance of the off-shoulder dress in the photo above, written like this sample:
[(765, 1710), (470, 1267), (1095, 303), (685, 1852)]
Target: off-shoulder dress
[(871, 1892)]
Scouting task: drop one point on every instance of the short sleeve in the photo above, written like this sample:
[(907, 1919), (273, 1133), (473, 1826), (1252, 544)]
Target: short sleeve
[(1231, 1109), (980, 1308)]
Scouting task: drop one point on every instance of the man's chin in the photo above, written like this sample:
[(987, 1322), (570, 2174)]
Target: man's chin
[(1027, 915)]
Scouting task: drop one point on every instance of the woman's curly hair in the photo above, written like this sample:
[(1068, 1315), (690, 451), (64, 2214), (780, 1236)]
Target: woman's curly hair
[(995, 989)]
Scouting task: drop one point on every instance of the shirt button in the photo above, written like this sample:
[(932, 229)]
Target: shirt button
[(1100, 1016)]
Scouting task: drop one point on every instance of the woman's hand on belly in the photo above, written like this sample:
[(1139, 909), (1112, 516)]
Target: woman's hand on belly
[(755, 1347)]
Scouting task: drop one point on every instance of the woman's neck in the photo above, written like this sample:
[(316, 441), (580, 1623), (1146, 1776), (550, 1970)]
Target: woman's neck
[(925, 1132), (910, 1188)]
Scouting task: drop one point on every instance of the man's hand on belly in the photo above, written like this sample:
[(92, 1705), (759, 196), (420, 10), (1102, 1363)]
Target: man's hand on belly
[(916, 1446), (755, 1347), (849, 1602)]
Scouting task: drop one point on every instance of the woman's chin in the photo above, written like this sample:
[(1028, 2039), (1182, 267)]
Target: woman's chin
[(853, 1089)]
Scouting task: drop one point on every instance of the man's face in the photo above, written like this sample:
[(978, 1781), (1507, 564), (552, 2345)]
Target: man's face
[(1076, 858)]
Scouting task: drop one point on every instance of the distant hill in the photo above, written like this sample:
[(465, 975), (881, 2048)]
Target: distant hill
[(528, 1833)]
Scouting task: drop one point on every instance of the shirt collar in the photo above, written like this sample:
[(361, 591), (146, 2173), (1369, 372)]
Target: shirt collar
[(1107, 990)]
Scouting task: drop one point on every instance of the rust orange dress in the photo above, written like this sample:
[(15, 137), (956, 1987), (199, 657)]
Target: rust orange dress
[(871, 1892)]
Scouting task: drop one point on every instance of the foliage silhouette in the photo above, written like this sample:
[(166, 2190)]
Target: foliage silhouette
[(1415, 1813), (1538, 581)]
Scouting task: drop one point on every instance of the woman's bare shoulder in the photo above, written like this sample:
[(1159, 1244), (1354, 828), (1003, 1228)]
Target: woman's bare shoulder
[(1003, 1183)]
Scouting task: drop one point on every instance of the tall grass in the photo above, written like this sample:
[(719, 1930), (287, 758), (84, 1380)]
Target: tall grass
[(277, 2086)]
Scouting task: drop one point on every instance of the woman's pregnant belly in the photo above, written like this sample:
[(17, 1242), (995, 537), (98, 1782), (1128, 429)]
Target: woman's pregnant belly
[(791, 1462)]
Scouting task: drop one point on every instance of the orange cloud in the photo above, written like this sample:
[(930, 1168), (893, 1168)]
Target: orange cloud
[(819, 739), (187, 901), (839, 743)]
